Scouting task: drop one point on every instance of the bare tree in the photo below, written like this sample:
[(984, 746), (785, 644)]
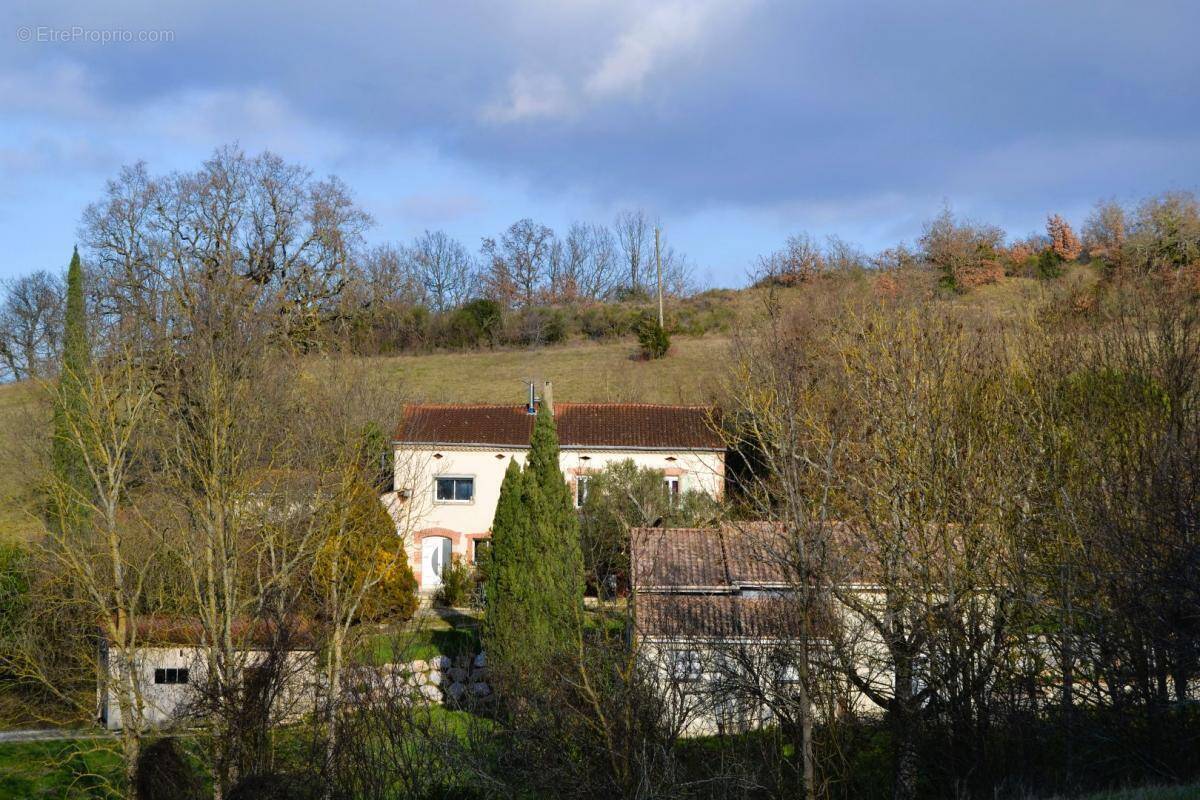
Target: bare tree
[(590, 269), (635, 237), (99, 558), (267, 222), (520, 262), (1165, 234), (1105, 231), (965, 252), (31, 324), (443, 267)]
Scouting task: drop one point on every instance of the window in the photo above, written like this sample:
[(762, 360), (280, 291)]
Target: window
[(685, 665), (171, 675), (479, 552), (671, 484), (581, 490), (455, 490), (789, 673)]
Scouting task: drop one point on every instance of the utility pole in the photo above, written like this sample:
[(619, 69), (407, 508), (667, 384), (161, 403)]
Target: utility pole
[(658, 267)]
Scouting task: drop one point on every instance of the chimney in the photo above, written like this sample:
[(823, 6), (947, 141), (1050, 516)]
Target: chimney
[(548, 397)]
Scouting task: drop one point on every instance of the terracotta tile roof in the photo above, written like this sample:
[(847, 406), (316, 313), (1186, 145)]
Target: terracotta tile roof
[(634, 425), (716, 616), (677, 557), (721, 559), (161, 629)]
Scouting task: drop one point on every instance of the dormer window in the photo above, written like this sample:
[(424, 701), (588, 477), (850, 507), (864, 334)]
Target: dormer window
[(454, 489)]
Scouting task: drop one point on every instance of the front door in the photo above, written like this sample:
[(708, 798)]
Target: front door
[(435, 555)]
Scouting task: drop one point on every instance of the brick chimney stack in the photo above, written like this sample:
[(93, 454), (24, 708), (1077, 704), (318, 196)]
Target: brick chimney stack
[(548, 397)]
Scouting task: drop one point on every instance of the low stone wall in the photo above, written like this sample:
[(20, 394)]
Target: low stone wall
[(442, 679)]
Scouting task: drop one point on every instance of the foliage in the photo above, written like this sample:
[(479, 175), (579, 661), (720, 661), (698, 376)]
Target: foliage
[(476, 323), (163, 773), (458, 581), (394, 597), (963, 252), (66, 456), (1063, 240), (623, 496), (361, 557), (653, 338), (1049, 264), (534, 587)]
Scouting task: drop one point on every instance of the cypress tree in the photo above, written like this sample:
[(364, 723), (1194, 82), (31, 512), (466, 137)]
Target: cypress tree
[(509, 583), (535, 571), (555, 527), (66, 457)]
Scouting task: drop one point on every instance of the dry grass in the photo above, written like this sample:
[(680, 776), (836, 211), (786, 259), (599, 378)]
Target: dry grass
[(584, 371), (18, 419)]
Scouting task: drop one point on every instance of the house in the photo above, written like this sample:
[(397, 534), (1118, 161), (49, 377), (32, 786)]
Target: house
[(450, 461), (714, 615), (170, 670)]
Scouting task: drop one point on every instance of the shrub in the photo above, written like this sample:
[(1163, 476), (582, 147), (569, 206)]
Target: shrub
[(457, 582), (539, 325), (164, 774), (14, 589), (478, 322), (394, 598), (1049, 264), (653, 338)]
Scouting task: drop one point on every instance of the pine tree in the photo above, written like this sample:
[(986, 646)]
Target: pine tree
[(66, 456)]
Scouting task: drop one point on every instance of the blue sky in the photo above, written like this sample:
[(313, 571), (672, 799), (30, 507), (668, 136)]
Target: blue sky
[(737, 122)]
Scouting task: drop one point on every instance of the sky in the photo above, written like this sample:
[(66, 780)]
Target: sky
[(735, 122)]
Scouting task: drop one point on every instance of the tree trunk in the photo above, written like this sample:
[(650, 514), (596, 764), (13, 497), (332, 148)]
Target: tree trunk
[(907, 758)]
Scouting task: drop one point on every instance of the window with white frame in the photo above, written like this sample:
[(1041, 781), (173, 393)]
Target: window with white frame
[(671, 485), (454, 489), (685, 665), (171, 675), (581, 490)]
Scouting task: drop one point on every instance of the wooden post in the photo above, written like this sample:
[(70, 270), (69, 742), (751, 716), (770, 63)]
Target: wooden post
[(658, 267)]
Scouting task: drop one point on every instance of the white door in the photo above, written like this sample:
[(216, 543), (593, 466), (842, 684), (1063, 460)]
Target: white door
[(435, 554)]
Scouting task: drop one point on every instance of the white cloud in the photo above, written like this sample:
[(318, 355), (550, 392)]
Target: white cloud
[(644, 41), (647, 42), (531, 96)]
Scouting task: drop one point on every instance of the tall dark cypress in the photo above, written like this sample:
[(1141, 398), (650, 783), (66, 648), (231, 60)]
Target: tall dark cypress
[(509, 584), (66, 455), (535, 570), (555, 527)]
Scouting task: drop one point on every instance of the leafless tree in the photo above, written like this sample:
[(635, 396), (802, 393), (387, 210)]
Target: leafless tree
[(965, 252), (520, 262), (635, 237), (590, 258), (442, 267), (1104, 232), (31, 324), (1165, 234), (267, 222)]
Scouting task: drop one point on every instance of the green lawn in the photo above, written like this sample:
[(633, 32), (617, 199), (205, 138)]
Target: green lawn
[(429, 634), (66, 769)]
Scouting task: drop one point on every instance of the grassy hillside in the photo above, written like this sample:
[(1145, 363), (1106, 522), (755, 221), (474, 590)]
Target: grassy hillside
[(585, 371), (18, 420), (581, 370)]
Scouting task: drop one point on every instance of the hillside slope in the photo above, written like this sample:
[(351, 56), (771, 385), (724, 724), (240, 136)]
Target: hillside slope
[(582, 371)]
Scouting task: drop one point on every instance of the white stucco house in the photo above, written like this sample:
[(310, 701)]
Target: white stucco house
[(450, 461), (170, 671)]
